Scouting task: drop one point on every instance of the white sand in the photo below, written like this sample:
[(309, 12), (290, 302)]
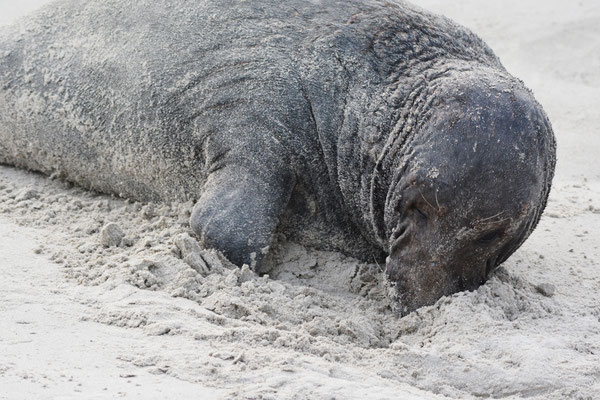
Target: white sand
[(158, 318)]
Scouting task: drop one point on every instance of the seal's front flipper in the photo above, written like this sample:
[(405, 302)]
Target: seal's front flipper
[(239, 211)]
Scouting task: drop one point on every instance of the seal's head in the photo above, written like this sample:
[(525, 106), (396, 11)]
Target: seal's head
[(473, 186)]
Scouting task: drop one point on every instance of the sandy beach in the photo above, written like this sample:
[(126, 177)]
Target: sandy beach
[(158, 317)]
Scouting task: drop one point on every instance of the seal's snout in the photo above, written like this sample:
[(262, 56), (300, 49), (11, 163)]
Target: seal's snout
[(417, 282), (420, 284)]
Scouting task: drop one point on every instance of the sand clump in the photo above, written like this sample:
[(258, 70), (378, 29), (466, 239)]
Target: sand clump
[(111, 235)]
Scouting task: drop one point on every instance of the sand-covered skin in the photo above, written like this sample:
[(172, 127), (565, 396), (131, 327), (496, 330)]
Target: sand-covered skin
[(165, 318)]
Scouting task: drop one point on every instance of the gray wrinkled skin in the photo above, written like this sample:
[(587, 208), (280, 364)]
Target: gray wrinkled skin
[(369, 127)]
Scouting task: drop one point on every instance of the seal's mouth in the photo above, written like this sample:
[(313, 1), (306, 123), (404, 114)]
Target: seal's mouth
[(419, 284), (416, 285)]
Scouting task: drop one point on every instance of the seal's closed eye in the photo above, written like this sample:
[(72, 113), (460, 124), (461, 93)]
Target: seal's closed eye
[(421, 215)]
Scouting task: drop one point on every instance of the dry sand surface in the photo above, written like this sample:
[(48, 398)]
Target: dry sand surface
[(103, 298)]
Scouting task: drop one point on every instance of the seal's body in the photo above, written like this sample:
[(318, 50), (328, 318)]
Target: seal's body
[(373, 128)]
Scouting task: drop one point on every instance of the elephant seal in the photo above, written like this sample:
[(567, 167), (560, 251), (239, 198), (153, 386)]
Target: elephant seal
[(370, 127)]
